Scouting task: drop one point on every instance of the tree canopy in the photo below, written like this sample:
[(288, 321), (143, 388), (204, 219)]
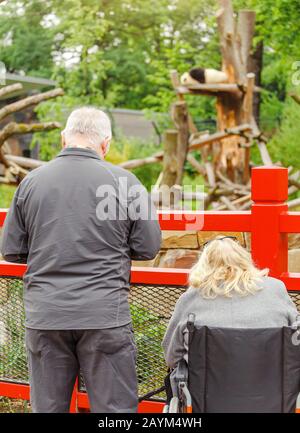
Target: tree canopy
[(118, 53)]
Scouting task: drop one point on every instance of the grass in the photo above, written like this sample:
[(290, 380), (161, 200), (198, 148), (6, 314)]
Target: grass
[(6, 195)]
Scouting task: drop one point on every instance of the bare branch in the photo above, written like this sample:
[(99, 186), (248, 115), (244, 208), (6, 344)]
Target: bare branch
[(10, 89), (13, 128), (28, 102)]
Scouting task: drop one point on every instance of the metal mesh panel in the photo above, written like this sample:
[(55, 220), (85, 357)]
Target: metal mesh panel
[(13, 362), (151, 308), (296, 298)]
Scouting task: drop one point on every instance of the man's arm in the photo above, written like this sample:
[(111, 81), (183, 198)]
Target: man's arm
[(145, 234), (14, 244)]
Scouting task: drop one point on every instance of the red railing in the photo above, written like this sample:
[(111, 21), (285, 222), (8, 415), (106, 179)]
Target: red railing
[(269, 222)]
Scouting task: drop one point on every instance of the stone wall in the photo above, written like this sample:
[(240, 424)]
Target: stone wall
[(181, 249)]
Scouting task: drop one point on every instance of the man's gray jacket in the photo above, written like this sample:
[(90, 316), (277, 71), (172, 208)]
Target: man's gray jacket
[(77, 222)]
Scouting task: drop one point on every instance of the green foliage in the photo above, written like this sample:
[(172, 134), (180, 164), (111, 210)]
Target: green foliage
[(284, 146), (26, 44), (149, 332), (119, 53), (6, 195)]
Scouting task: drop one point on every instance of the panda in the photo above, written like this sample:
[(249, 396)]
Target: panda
[(203, 76)]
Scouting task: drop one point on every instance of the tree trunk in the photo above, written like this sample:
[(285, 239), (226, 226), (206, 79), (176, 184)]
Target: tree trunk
[(255, 65)]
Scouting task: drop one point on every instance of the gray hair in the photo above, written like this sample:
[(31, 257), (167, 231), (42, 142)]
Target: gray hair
[(89, 122)]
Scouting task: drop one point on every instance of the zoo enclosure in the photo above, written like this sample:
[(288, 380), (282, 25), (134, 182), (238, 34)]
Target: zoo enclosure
[(154, 291)]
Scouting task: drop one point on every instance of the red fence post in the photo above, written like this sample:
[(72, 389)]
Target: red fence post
[(269, 193)]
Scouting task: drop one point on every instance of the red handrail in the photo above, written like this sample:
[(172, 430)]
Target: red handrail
[(269, 222)]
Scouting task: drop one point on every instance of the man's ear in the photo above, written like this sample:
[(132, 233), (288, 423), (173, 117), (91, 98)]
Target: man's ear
[(105, 146), (63, 140)]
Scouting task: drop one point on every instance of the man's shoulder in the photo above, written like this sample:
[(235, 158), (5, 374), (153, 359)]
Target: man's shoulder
[(120, 172), (35, 173)]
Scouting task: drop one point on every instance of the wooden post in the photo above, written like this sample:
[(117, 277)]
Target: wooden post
[(236, 40), (170, 158), (247, 116), (180, 118)]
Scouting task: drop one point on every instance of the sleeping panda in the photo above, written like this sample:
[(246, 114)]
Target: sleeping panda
[(203, 76)]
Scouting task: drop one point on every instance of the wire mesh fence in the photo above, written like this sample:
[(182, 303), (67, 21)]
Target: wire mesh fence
[(13, 362), (151, 309)]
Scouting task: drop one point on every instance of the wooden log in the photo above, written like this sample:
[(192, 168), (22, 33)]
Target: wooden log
[(210, 174), (214, 89), (28, 102), (180, 118), (4, 180), (217, 136), (25, 162), (237, 201), (227, 182), (135, 163), (255, 65), (294, 183), (14, 128), (247, 113), (170, 158), (196, 164), (176, 83), (244, 36), (229, 47), (227, 203), (264, 153), (293, 203), (246, 205), (7, 90)]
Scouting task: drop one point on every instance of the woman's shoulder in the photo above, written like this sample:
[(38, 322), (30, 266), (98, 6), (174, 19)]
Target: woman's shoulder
[(189, 296), (273, 286)]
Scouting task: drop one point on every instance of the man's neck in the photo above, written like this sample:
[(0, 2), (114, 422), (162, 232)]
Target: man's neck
[(85, 146)]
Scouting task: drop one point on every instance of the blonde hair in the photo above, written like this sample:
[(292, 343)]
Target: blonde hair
[(225, 268)]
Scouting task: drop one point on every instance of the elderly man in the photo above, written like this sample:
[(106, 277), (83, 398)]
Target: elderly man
[(77, 222)]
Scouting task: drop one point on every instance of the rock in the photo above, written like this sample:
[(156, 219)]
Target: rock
[(143, 263), (179, 258), (294, 240), (179, 239), (206, 236), (294, 260)]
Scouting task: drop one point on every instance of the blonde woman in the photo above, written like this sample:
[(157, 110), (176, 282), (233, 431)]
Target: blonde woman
[(227, 290)]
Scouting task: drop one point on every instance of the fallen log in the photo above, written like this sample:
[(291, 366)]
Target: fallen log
[(229, 205), (135, 163), (29, 163)]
